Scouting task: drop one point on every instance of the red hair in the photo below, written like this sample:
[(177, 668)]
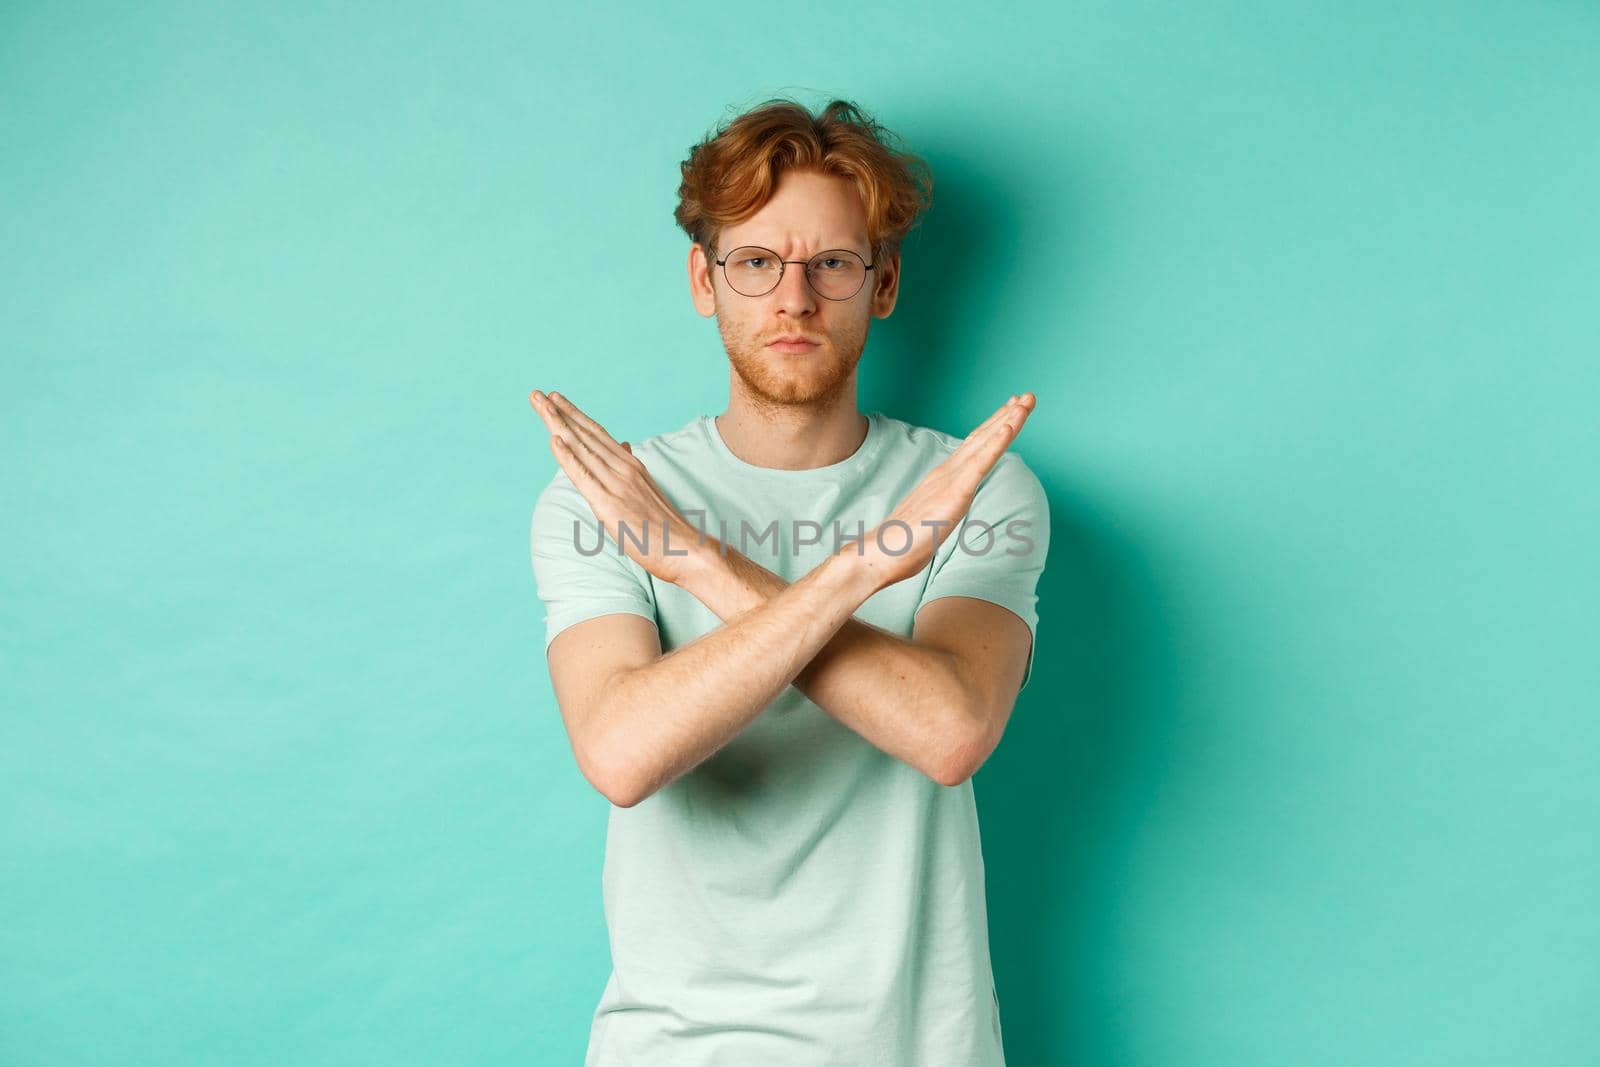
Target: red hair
[(730, 175)]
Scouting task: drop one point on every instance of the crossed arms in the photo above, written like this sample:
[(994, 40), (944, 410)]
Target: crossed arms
[(638, 719)]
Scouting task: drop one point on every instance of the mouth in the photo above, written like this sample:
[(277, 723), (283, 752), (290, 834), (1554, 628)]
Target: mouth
[(796, 343)]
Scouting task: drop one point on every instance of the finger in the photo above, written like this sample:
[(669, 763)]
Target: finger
[(993, 416), (552, 422), (1014, 413), (561, 432), (973, 461), (577, 469), (578, 442), (1018, 402), (579, 416), (591, 434), (998, 437), (1020, 411), (542, 407), (1008, 414), (575, 459)]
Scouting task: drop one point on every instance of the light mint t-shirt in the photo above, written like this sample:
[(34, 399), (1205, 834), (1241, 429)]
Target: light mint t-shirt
[(800, 897)]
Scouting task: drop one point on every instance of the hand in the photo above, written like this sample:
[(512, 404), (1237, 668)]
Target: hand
[(619, 490), (940, 500)]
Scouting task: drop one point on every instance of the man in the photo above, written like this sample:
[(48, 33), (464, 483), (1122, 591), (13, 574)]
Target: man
[(788, 656)]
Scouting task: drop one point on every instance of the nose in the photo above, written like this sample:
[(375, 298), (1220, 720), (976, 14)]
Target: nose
[(794, 293)]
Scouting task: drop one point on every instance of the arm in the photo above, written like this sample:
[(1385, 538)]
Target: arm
[(739, 669), (938, 701), (643, 726)]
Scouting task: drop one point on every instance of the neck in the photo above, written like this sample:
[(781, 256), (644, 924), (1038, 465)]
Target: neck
[(792, 437)]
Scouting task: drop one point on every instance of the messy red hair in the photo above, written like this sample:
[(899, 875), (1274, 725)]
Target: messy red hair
[(731, 174)]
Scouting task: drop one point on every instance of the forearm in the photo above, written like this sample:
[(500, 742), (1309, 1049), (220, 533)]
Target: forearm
[(661, 720), (908, 700)]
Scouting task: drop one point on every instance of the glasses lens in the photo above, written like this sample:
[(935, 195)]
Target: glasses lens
[(837, 274), (752, 271)]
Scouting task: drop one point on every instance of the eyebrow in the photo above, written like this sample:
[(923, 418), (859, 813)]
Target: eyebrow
[(848, 246)]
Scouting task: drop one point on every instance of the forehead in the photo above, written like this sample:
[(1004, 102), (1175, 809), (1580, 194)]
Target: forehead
[(808, 211)]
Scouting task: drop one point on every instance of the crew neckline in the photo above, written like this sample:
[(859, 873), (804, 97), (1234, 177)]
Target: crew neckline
[(864, 452)]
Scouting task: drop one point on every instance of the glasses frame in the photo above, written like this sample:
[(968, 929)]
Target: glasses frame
[(783, 266)]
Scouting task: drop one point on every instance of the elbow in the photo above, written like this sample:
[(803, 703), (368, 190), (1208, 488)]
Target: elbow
[(965, 739), (612, 777), (618, 791), (614, 770), (622, 785), (623, 798), (953, 771), (605, 773), (961, 759)]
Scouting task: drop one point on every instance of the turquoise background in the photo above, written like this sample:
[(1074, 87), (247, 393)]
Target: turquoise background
[(1310, 295)]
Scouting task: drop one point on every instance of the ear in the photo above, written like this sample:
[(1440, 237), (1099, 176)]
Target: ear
[(701, 289), (886, 285)]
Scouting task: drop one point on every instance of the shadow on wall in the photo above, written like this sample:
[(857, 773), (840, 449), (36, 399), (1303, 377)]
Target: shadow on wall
[(1054, 799), (1055, 804)]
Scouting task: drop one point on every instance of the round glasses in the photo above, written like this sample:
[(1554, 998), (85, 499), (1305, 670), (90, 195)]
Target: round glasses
[(836, 274)]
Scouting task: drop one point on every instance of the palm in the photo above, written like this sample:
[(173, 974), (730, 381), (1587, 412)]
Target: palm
[(618, 489), (903, 543)]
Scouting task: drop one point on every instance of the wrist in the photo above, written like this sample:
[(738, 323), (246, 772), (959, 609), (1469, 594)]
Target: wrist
[(854, 570), (703, 566)]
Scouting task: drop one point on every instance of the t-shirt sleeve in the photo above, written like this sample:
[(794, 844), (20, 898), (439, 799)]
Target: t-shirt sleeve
[(576, 581), (999, 555)]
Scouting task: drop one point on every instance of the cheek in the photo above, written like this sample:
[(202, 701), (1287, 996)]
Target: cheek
[(736, 333)]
